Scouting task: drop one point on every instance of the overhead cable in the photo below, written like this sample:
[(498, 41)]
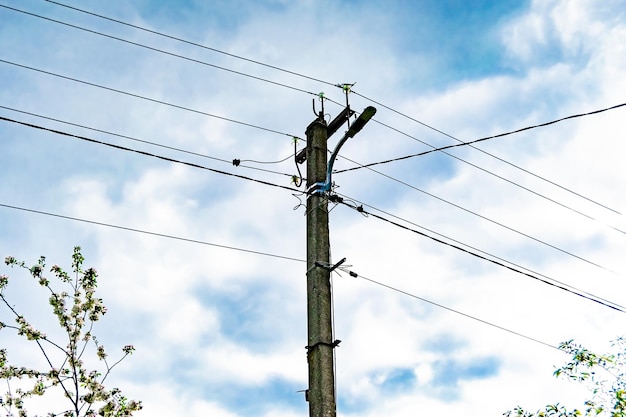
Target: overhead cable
[(308, 92), (147, 98), (195, 44), (280, 84), (456, 145), (147, 232), (197, 61), (355, 275), (442, 149), (282, 186), (486, 218), (149, 142), (497, 157), (490, 255), (255, 252), (164, 158), (565, 206), (360, 209)]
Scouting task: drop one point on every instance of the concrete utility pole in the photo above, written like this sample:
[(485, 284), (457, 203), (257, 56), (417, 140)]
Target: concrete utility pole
[(320, 349)]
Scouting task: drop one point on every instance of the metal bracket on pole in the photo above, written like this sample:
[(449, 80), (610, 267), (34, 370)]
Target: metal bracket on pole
[(328, 267)]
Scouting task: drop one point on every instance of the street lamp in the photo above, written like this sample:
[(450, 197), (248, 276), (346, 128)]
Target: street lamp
[(359, 123)]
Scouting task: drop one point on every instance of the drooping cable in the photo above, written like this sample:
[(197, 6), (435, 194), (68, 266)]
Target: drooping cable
[(164, 158), (275, 185), (254, 252), (551, 280), (434, 149), (254, 161), (551, 200), (146, 98), (492, 155), (297, 180), (512, 229), (355, 275), (360, 209), (205, 63), (456, 145), (147, 232), (286, 71), (141, 140)]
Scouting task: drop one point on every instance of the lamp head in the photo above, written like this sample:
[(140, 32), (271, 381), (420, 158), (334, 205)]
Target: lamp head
[(361, 121)]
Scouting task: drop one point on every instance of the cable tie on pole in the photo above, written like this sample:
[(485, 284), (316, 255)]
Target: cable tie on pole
[(313, 346)]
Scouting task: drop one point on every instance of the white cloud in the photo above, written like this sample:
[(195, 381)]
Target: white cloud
[(214, 317)]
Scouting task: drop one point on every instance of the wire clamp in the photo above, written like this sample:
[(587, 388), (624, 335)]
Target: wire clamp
[(334, 198)]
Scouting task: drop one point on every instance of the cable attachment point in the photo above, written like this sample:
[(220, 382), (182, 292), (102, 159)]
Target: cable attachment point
[(346, 87), (313, 346), (321, 97), (306, 394), (329, 267), (334, 198), (236, 162)]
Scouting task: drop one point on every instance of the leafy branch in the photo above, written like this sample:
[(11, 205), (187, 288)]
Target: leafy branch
[(608, 394), (76, 311)]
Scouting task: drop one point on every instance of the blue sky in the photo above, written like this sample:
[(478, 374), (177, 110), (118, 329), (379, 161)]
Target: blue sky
[(222, 332)]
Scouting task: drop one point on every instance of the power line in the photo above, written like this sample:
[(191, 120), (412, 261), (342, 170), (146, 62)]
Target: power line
[(146, 98), (481, 139), (492, 155), (487, 218), (565, 206), (360, 209), (293, 135), (472, 248), (255, 252), (442, 149), (286, 134), (258, 78), (149, 142), (195, 44), (164, 158), (146, 232), (474, 166), (291, 87), (355, 275), (197, 61), (272, 184), (291, 189)]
